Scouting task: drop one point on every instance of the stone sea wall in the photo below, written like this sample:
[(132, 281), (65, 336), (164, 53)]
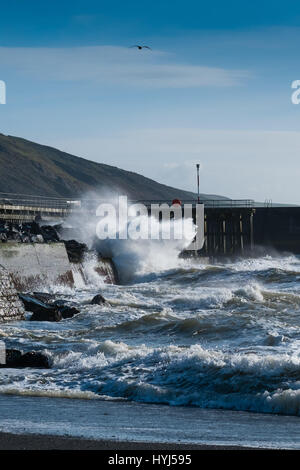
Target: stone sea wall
[(11, 308), (31, 267)]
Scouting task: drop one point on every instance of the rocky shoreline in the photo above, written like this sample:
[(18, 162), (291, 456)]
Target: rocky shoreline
[(16, 359), (43, 307), (29, 232), (37, 232)]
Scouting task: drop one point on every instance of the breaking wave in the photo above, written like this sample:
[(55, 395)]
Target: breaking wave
[(173, 375), (180, 332)]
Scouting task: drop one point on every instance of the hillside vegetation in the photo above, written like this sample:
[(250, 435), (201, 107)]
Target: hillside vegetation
[(33, 169)]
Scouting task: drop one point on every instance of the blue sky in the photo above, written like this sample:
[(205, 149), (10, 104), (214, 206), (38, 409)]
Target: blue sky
[(215, 89)]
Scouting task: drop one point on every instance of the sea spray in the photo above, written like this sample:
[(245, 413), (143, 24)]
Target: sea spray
[(140, 255), (136, 258), (149, 251)]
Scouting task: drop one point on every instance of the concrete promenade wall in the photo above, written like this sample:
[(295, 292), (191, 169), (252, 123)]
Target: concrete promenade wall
[(36, 265)]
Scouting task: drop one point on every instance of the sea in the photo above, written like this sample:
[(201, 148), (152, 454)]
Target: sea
[(182, 351)]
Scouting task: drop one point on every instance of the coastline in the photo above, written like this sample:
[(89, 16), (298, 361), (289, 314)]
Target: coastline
[(30, 422), (10, 441)]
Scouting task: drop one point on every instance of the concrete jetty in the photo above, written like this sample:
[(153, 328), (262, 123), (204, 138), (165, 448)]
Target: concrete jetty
[(232, 227), (251, 231)]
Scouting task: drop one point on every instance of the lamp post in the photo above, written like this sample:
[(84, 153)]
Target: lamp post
[(198, 181)]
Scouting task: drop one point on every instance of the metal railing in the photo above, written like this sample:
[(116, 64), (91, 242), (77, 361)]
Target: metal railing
[(229, 203), (207, 202), (70, 204), (23, 200)]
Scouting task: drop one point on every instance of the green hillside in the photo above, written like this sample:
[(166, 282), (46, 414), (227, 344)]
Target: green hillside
[(34, 169)]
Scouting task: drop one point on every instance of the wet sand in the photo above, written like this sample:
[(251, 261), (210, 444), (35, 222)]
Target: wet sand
[(44, 442), (28, 422)]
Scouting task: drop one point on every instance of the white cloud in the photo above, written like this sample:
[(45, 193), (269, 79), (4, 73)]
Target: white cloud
[(115, 65)]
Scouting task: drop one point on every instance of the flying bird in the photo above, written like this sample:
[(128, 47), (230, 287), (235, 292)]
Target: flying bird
[(141, 47)]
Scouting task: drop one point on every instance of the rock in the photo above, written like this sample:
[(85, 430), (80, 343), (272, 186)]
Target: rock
[(34, 228), (40, 310), (67, 312), (33, 304), (75, 250), (49, 233), (51, 314), (44, 297), (34, 359), (15, 358), (12, 356), (45, 308), (28, 232), (98, 300)]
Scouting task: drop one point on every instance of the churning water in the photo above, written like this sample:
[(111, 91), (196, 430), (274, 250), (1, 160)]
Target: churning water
[(223, 336)]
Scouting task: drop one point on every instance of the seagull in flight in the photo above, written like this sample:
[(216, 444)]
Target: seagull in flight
[(141, 47)]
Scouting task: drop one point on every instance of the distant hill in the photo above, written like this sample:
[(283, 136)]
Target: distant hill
[(34, 169)]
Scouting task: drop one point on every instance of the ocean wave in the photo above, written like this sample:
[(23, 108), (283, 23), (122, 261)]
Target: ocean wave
[(173, 375), (222, 336), (184, 376), (167, 323), (54, 393), (265, 263)]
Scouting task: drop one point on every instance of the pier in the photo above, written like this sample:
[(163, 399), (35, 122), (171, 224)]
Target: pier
[(23, 208), (231, 227), (228, 231)]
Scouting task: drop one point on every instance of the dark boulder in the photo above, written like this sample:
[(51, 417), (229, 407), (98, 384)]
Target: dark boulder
[(34, 359), (67, 312), (28, 232), (32, 304), (49, 233), (40, 310), (51, 314), (75, 250), (98, 300), (12, 356), (16, 359), (44, 297), (34, 228), (51, 311)]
